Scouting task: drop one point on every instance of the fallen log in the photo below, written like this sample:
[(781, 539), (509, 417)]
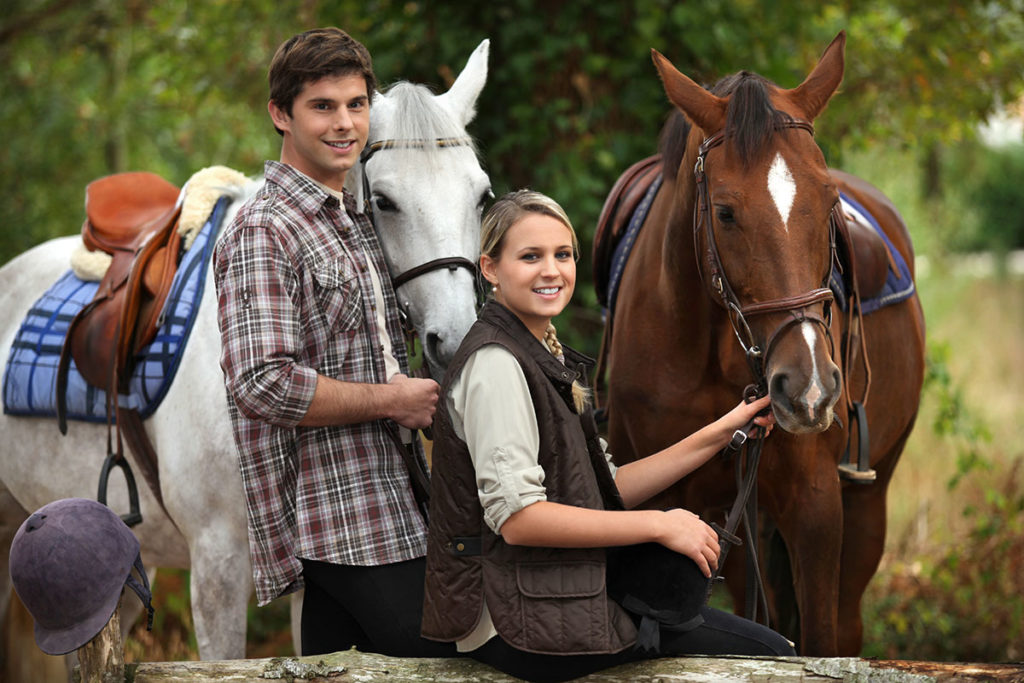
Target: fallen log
[(353, 665)]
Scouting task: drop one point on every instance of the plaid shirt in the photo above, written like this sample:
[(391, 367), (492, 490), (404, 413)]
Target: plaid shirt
[(295, 299)]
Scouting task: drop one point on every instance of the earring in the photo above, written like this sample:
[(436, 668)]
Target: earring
[(494, 288)]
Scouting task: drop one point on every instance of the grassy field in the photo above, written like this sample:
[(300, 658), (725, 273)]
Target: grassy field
[(951, 580), (974, 329)]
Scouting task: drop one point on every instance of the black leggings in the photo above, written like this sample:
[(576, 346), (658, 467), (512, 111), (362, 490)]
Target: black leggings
[(374, 609), (721, 633)]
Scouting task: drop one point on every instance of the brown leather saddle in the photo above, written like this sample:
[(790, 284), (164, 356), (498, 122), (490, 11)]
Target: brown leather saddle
[(132, 217), (626, 194), (865, 254)]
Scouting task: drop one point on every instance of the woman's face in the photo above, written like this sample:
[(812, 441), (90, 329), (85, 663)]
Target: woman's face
[(535, 273)]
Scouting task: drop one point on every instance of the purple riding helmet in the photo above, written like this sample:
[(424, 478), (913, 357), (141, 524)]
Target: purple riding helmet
[(70, 561)]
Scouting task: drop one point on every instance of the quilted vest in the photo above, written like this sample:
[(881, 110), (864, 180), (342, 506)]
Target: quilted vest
[(542, 600)]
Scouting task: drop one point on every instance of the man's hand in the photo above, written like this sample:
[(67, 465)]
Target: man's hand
[(415, 402)]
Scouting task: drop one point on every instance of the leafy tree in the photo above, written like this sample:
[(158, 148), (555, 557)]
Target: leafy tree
[(572, 98)]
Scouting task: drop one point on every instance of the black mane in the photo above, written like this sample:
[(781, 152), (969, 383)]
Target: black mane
[(750, 121)]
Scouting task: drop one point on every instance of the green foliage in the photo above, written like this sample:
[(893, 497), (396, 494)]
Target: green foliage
[(968, 604), (953, 420), (992, 180), (572, 98)]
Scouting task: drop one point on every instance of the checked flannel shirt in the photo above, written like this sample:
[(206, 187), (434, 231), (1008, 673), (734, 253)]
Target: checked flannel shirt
[(295, 299)]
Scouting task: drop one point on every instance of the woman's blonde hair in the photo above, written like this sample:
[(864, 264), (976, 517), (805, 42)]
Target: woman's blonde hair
[(505, 213)]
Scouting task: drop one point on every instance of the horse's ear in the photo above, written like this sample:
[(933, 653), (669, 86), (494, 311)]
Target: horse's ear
[(813, 94), (702, 108), (461, 97)]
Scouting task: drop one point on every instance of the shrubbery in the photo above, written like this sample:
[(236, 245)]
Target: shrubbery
[(966, 602), (966, 605)]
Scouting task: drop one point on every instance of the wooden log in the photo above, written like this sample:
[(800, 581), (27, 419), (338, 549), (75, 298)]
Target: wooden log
[(358, 666), (101, 660)]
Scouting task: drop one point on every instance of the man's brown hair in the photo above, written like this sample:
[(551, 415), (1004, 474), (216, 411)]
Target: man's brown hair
[(315, 54)]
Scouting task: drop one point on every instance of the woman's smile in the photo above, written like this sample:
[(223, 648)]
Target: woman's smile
[(535, 273)]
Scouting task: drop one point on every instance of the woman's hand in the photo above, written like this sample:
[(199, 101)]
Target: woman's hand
[(743, 413), (686, 533)]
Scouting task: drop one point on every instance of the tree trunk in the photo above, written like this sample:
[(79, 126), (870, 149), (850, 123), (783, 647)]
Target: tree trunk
[(101, 660)]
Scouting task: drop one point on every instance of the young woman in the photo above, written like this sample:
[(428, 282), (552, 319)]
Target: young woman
[(524, 500)]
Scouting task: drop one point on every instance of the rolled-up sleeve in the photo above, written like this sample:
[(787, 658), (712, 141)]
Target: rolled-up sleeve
[(261, 329), (492, 411)]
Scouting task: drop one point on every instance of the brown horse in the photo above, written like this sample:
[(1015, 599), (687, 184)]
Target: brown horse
[(750, 262)]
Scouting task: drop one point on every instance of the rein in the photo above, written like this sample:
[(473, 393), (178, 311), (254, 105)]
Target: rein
[(796, 307)]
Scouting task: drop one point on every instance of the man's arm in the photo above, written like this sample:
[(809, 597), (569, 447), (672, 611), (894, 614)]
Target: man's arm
[(409, 401)]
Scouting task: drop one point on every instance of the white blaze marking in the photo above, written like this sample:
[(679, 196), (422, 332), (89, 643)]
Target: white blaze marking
[(782, 188), (814, 387)]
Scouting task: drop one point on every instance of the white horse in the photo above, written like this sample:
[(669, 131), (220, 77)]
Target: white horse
[(426, 187)]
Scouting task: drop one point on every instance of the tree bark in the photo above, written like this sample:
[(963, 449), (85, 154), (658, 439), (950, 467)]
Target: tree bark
[(358, 666), (101, 660)]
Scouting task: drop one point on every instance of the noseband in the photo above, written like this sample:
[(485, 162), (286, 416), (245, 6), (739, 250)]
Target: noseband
[(796, 306)]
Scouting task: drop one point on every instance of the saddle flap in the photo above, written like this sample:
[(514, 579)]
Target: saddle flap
[(868, 254), (626, 194), (123, 207)]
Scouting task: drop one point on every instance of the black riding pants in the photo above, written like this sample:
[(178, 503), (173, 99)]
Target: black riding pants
[(721, 633), (374, 609)]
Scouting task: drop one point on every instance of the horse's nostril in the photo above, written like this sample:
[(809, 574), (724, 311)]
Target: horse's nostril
[(431, 346), (777, 388)]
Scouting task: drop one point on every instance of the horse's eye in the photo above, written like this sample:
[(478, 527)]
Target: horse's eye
[(383, 203), (724, 214), (487, 196)]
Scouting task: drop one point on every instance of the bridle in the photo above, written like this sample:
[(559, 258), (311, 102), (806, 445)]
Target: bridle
[(798, 309), (796, 306), (418, 477), (452, 263)]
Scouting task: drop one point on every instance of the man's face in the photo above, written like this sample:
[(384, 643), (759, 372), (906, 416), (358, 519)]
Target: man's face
[(327, 129)]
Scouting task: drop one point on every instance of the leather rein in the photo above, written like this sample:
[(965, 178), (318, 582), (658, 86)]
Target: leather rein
[(798, 309)]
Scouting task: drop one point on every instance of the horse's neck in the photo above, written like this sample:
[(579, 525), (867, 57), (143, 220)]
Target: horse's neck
[(673, 250)]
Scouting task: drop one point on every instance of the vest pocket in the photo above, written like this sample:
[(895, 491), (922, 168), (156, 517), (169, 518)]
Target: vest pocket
[(579, 579), (563, 607), (338, 294)]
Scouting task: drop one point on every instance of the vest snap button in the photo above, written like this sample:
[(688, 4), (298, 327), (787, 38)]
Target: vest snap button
[(460, 547)]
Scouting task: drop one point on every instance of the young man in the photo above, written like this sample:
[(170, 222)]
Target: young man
[(314, 365)]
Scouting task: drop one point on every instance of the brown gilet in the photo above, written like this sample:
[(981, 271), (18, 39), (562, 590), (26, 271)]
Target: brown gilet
[(543, 600)]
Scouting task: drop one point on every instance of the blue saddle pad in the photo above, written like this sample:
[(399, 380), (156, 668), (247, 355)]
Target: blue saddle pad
[(899, 285), (30, 379)]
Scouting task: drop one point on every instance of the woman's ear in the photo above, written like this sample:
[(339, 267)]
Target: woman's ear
[(487, 269)]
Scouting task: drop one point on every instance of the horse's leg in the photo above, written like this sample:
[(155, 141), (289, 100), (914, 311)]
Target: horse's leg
[(295, 610), (221, 584), (891, 412), (864, 526), (779, 585), (11, 517), (811, 523)]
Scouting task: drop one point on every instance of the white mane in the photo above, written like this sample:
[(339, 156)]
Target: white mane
[(417, 115)]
